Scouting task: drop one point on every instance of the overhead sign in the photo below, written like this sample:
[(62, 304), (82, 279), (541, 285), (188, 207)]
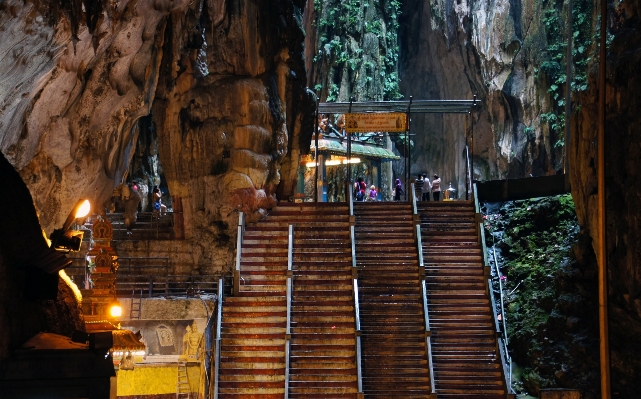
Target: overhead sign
[(376, 122)]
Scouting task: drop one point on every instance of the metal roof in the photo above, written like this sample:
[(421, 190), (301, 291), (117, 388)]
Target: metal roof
[(418, 106), (364, 150)]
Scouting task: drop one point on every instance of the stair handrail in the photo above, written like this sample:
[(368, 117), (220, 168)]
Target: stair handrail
[(468, 173), (288, 328), (239, 251), (502, 338), (357, 311), (428, 331), (350, 199), (428, 338), (413, 196), (219, 320)]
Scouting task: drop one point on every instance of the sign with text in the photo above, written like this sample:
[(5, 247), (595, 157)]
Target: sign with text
[(392, 122)]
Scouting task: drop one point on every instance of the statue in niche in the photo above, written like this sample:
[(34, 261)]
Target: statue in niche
[(191, 341), (165, 337), (127, 362)]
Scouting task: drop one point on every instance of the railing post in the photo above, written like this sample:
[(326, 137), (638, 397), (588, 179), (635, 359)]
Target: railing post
[(413, 196), (239, 251), (350, 199), (357, 312), (219, 319), (288, 330)]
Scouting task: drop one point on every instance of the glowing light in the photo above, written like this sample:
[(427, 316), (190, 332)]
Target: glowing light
[(353, 160), (311, 164), (83, 210), (115, 310), (332, 162)]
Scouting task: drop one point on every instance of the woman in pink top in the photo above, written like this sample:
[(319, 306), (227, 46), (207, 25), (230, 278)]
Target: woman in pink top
[(436, 188)]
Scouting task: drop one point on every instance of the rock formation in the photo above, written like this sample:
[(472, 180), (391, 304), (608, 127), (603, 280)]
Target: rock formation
[(623, 146), (223, 80)]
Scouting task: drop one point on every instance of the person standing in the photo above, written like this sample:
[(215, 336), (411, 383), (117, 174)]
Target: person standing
[(418, 187), (427, 187), (398, 190), (373, 194), (159, 208), (436, 188)]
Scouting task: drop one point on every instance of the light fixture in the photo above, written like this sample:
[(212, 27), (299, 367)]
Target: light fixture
[(65, 240), (115, 310), (353, 160), (311, 164), (332, 162)]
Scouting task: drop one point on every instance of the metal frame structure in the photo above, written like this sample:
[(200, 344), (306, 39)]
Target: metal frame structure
[(408, 107)]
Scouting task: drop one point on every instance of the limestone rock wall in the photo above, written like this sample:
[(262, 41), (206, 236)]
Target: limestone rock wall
[(623, 199), (223, 80), (492, 48)]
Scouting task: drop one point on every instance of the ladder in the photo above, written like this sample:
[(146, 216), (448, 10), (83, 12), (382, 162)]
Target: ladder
[(182, 386), (136, 305)]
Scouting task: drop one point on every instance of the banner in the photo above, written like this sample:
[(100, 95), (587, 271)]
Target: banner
[(376, 122)]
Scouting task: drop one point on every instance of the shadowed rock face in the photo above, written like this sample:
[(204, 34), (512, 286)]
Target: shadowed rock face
[(454, 50), (223, 80), (623, 200)]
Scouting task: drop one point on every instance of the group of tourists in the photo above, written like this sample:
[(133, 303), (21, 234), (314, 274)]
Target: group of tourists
[(362, 193), (423, 186)]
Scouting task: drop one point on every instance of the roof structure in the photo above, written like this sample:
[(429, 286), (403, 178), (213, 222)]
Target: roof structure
[(416, 106), (338, 147)]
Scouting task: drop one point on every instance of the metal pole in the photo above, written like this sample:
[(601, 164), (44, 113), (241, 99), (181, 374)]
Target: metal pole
[(348, 184), (409, 148), (316, 153), (472, 140), (467, 159), (604, 348)]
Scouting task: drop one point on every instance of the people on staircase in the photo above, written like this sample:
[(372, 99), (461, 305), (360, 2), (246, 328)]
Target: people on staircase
[(159, 208), (398, 189), (427, 187), (131, 208), (418, 187), (373, 194), (359, 189), (436, 188)]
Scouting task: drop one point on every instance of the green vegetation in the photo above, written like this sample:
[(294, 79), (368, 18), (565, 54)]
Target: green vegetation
[(547, 313), (555, 61), (342, 26)]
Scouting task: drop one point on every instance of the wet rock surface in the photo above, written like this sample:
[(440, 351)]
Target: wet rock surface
[(549, 281)]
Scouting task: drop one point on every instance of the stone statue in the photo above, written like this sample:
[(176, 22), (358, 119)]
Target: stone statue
[(191, 341)]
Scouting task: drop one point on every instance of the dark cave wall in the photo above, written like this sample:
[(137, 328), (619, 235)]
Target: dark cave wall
[(622, 188), (218, 77), (455, 50)]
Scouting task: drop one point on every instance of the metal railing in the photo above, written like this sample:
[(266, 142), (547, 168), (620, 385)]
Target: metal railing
[(468, 173), (147, 226), (421, 264), (357, 311), (78, 272), (239, 251), (143, 265), (219, 321), (166, 285), (428, 339), (501, 334), (288, 325)]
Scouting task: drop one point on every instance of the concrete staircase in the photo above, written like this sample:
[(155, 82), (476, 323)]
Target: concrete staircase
[(252, 363), (395, 363), (465, 356), (323, 358)]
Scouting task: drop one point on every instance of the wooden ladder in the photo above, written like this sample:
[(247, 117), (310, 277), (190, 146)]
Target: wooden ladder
[(136, 305), (182, 385)]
